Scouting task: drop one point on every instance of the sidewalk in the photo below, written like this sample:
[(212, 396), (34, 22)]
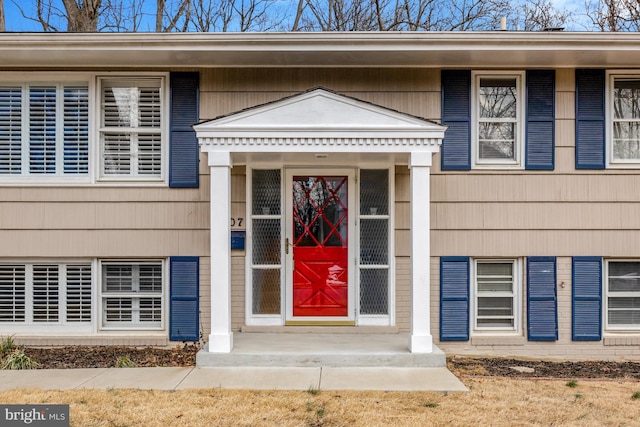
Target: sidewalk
[(257, 378)]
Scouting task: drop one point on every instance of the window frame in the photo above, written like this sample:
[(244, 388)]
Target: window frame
[(93, 82), (133, 326), (519, 133), (606, 295), (98, 162), (611, 77), (62, 324), (517, 272), (57, 79)]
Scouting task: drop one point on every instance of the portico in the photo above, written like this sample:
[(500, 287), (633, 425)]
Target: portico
[(320, 214)]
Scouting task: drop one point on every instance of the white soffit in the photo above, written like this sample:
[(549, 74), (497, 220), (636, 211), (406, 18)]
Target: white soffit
[(319, 119), (468, 49)]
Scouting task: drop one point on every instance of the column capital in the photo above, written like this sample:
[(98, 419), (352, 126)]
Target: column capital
[(220, 159), (420, 159)]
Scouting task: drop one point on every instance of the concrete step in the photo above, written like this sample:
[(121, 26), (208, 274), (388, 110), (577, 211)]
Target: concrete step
[(312, 350)]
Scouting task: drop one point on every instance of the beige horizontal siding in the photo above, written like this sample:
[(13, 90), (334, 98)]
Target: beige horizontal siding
[(102, 243), (525, 186), (535, 216), (412, 91), (509, 243)]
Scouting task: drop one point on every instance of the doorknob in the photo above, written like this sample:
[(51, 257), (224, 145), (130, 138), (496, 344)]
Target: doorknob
[(286, 246)]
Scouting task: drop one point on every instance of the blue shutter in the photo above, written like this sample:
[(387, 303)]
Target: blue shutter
[(183, 147), (540, 128), (456, 114), (586, 297), (590, 119), (454, 299), (542, 302), (184, 298)]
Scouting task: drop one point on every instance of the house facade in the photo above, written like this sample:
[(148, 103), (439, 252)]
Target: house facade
[(478, 192)]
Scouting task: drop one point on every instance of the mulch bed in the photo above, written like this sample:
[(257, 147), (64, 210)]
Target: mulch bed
[(502, 367), (107, 356)]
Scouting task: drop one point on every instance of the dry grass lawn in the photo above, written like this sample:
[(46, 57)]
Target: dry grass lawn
[(490, 402)]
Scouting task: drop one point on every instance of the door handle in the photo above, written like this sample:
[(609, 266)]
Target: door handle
[(286, 246)]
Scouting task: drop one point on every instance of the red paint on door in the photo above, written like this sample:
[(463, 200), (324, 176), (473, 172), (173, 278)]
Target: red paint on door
[(320, 247)]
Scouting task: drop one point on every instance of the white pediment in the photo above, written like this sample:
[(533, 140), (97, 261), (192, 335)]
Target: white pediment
[(318, 115)]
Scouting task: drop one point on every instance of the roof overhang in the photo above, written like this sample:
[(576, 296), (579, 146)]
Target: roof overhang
[(505, 49)]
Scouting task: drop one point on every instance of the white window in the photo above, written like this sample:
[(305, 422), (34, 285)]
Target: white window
[(44, 129), (624, 123), (45, 293), (131, 128), (496, 290), (132, 295), (498, 111), (623, 295)]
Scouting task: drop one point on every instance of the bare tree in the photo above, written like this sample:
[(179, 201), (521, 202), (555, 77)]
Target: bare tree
[(172, 16), (82, 15), (614, 15), (3, 27), (538, 15)]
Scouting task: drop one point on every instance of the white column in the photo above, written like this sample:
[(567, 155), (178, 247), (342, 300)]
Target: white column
[(420, 165), (221, 337)]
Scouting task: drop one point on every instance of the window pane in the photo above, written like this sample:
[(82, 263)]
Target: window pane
[(624, 277), (150, 278), (42, 130), (266, 241), (266, 291), (118, 309), (374, 246), (150, 309), (374, 291), (117, 154), (374, 192), (626, 140), (496, 140), (266, 192), (624, 311), (10, 130), (494, 277), (76, 130), (149, 154), (131, 103), (626, 95), (498, 97), (12, 293), (78, 293), (46, 293), (117, 278)]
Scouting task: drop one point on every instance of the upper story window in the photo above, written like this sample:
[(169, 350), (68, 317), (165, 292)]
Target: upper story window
[(131, 128), (83, 128), (623, 295), (44, 129), (625, 120), (498, 129)]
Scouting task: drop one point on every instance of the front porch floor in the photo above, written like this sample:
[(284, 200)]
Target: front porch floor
[(320, 350)]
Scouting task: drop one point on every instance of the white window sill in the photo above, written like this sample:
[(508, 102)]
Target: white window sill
[(622, 340)]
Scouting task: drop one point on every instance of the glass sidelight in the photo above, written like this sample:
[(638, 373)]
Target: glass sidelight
[(266, 263)]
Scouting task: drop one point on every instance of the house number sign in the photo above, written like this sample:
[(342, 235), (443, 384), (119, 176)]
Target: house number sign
[(237, 222)]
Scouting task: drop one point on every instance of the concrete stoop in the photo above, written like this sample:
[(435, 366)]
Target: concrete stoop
[(320, 350)]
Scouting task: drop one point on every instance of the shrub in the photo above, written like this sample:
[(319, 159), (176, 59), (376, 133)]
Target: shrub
[(17, 359), (125, 362)]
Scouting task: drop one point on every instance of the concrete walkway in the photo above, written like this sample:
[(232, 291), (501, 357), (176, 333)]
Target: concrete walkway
[(256, 378)]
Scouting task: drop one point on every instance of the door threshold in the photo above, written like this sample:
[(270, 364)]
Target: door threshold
[(320, 323)]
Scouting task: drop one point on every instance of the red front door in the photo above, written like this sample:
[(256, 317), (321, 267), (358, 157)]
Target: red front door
[(320, 251)]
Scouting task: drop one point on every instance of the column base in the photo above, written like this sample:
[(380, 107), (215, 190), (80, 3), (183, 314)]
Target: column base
[(421, 344), (220, 343)]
